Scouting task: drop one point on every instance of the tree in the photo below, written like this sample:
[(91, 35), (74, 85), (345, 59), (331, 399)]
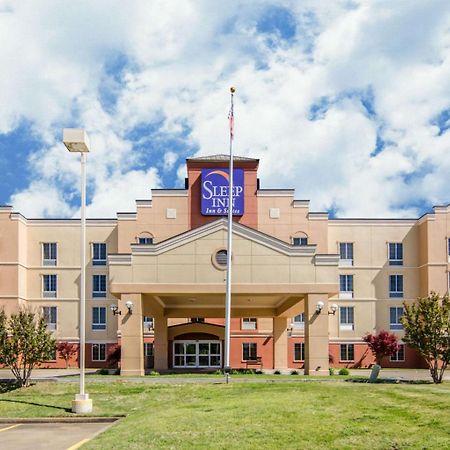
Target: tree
[(66, 350), (382, 344), (427, 329), (25, 342)]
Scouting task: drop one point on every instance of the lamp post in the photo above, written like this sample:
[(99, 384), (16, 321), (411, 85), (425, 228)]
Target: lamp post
[(77, 141)]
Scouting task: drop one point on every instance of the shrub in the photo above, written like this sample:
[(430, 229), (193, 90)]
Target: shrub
[(294, 372), (344, 371), (277, 372), (382, 344), (103, 371), (154, 373), (331, 370)]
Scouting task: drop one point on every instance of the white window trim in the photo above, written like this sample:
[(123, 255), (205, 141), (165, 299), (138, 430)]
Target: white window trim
[(249, 343), (49, 262), (340, 354), (389, 254), (92, 353), (346, 262), (404, 354), (52, 326), (99, 323), (302, 344), (249, 323), (49, 294), (92, 253)]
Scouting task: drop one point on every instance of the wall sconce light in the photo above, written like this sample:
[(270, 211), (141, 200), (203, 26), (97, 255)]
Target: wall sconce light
[(333, 309), (115, 310), (129, 305), (289, 331), (319, 307)]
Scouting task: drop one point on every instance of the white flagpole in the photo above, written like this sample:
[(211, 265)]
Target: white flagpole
[(227, 367)]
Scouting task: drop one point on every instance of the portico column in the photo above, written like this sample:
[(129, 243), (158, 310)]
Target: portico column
[(280, 341), (316, 335), (161, 345), (132, 342)]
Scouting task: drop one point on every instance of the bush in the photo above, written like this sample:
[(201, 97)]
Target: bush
[(154, 373), (331, 370), (103, 371), (294, 372), (258, 372), (344, 371), (277, 372)]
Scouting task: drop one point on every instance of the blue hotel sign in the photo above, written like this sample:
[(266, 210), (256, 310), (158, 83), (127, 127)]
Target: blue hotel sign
[(215, 192)]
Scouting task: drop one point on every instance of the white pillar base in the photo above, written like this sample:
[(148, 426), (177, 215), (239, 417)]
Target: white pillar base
[(82, 404)]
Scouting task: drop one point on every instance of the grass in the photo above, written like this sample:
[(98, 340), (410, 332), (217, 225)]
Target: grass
[(268, 415)]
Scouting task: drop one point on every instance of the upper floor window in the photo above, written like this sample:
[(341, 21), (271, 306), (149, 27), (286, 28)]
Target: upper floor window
[(346, 253), (299, 321), (346, 318), (49, 253), (148, 323), (98, 286), (99, 318), (395, 286), (448, 249), (299, 351), (395, 313), (99, 254), (249, 323), (345, 286), (49, 285), (395, 254), (145, 239), (299, 241), (49, 314)]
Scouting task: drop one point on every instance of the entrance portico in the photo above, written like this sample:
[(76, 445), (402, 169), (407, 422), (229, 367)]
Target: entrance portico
[(181, 278)]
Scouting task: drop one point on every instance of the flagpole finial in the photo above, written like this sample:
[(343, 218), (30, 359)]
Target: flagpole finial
[(232, 89)]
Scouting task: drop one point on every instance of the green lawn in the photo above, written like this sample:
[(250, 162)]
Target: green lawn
[(332, 415)]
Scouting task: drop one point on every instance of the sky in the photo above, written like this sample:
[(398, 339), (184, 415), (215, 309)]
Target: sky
[(347, 101)]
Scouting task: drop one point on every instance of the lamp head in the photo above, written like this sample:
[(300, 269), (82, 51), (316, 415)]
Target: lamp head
[(319, 307), (76, 140), (129, 305)]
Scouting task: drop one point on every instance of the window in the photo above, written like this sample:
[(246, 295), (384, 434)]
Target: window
[(395, 313), (347, 352), (346, 253), (346, 318), (98, 352), (299, 241), (145, 240), (99, 318), (399, 355), (345, 286), (148, 323), (299, 351), (249, 351), (49, 254), (98, 286), (50, 315), (49, 286), (99, 254), (249, 323), (395, 286), (299, 321), (221, 258), (148, 348), (395, 254), (448, 249)]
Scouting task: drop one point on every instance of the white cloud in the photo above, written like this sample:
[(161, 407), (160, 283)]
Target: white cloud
[(180, 59)]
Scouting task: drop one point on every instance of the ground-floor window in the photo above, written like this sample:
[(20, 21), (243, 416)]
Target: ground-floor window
[(299, 351), (347, 352), (98, 352), (399, 355), (148, 348), (197, 354), (249, 351)]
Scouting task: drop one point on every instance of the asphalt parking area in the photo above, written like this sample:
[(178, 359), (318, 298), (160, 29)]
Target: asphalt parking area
[(48, 436)]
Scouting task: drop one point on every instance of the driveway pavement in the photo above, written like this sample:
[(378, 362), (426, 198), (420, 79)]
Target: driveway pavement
[(48, 436)]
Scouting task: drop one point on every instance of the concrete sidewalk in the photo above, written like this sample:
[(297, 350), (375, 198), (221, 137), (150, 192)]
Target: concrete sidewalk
[(43, 374)]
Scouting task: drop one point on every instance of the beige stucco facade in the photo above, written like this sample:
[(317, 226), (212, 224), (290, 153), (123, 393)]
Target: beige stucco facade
[(162, 258)]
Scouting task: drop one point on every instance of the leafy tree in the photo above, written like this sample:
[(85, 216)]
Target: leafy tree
[(25, 342), (66, 350), (427, 329), (382, 344)]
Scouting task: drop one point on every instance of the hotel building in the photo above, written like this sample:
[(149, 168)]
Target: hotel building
[(306, 287)]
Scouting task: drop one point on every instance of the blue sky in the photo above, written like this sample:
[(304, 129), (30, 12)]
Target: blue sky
[(347, 101)]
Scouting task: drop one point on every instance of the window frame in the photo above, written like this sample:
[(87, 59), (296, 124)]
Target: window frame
[(99, 326), (298, 324), (396, 293), (51, 326), (151, 321), (395, 356), (99, 293), (394, 249), (98, 346), (249, 323), (148, 345), (52, 247), (299, 351), (347, 348), (346, 293), (250, 346), (344, 318), (344, 250), (395, 326), (299, 241), (50, 293), (98, 261)]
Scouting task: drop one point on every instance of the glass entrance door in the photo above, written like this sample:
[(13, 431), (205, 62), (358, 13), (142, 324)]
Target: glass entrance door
[(197, 354)]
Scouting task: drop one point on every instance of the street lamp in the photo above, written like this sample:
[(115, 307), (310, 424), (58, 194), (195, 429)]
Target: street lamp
[(76, 140)]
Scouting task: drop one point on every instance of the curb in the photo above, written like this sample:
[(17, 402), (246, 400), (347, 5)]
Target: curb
[(84, 419)]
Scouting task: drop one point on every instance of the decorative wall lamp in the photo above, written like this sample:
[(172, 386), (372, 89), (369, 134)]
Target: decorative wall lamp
[(115, 310), (129, 305), (320, 306)]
